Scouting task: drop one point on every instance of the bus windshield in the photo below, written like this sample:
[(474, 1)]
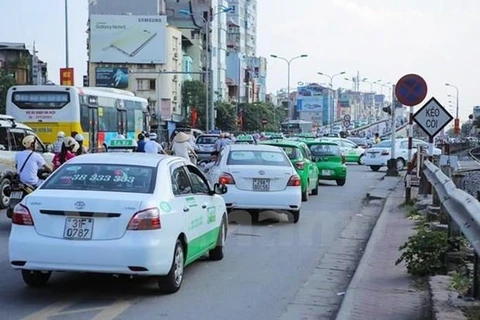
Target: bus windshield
[(99, 114)]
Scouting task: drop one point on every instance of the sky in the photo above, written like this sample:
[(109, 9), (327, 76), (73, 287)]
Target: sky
[(380, 39)]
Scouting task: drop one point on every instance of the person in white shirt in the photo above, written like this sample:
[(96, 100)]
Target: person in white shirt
[(28, 162), (213, 161), (181, 146), (152, 146), (57, 146)]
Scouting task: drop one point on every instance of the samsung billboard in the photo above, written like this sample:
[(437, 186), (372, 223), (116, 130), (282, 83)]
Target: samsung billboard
[(128, 39)]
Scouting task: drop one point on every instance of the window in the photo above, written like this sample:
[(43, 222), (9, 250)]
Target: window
[(3, 139), (206, 140), (384, 144), (16, 137), (257, 158), (146, 84), (199, 183), (103, 177), (319, 150), (84, 118), (107, 119), (40, 99), (292, 153), (180, 182)]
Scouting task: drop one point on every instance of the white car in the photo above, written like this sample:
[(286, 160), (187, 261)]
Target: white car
[(378, 155), (134, 213), (351, 151), (259, 177)]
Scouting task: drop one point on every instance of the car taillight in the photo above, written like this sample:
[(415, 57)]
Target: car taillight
[(148, 219), (21, 216), (226, 178), (300, 165), (385, 153), (294, 181)]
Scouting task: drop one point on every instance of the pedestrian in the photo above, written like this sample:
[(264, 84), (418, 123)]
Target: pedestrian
[(181, 146), (377, 138)]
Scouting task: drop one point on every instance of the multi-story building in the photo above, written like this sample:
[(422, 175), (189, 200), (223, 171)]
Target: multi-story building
[(242, 26), (257, 68), (131, 47), (22, 65)]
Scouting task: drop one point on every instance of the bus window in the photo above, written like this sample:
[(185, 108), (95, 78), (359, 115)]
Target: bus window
[(84, 117), (131, 121), (107, 119)]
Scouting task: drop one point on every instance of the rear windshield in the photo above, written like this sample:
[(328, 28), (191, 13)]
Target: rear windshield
[(258, 158), (384, 144), (324, 150), (206, 140), (103, 177), (359, 141), (292, 152)]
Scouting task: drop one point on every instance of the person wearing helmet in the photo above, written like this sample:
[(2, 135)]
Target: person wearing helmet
[(152, 146), (57, 146), (81, 148), (69, 150), (141, 142), (28, 162)]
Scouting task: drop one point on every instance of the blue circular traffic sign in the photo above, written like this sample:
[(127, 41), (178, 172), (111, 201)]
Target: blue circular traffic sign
[(411, 89)]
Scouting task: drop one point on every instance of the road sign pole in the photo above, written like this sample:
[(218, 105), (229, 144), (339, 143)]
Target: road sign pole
[(408, 185), (392, 170)]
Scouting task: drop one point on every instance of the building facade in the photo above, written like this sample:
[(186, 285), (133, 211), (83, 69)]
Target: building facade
[(25, 67), (242, 24)]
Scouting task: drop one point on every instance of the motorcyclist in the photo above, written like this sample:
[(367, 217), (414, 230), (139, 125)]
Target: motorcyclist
[(81, 148), (28, 162), (69, 150), (141, 142), (181, 146), (152, 146), (57, 146)]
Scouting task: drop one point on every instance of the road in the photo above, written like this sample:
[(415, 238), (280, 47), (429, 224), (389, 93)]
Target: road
[(265, 265)]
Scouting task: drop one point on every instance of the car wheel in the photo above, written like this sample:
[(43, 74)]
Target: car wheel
[(295, 216), (341, 182), (375, 168), (360, 159), (400, 163), (9, 213), (255, 215), (315, 191), (35, 278), (5, 202), (172, 282), (305, 194), (217, 252)]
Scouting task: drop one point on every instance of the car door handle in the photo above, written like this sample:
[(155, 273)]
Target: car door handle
[(186, 209)]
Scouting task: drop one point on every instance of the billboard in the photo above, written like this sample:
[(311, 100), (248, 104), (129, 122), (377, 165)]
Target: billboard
[(67, 77), (309, 90), (128, 39), (111, 77), (310, 104)]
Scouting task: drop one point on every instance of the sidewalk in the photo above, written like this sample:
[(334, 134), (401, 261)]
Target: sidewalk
[(380, 289)]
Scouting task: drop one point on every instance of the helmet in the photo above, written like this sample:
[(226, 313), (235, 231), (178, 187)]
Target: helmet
[(152, 136), (120, 136), (79, 137), (71, 143), (61, 134), (28, 140)]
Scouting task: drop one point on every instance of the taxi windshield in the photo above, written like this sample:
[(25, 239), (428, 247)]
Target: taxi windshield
[(103, 177)]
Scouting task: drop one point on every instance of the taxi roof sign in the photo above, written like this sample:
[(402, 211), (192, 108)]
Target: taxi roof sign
[(245, 138), (122, 143)]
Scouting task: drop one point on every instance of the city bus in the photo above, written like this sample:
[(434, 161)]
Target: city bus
[(296, 126), (99, 114)]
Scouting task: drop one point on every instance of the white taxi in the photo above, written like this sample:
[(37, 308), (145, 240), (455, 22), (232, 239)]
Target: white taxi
[(259, 177), (351, 151), (119, 213)]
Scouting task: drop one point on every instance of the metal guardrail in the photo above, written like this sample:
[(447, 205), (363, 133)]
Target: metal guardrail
[(463, 208)]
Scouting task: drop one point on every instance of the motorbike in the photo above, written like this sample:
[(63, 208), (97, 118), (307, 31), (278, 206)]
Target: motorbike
[(19, 190)]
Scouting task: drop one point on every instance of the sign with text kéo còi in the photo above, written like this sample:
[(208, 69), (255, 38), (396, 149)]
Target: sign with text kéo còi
[(432, 117)]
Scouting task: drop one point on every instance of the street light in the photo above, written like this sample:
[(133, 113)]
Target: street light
[(210, 113), (332, 112), (289, 62), (66, 35), (457, 119)]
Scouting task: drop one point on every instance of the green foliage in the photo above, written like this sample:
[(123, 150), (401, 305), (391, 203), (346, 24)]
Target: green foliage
[(425, 252), (460, 283), (226, 117), (193, 95), (6, 81), (254, 113)]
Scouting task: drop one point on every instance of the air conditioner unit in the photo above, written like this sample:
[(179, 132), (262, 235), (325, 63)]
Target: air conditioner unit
[(175, 78), (174, 98), (175, 55)]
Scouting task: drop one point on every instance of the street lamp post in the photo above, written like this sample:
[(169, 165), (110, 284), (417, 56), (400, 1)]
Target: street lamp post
[(289, 62), (210, 112), (332, 111), (457, 119), (67, 62)]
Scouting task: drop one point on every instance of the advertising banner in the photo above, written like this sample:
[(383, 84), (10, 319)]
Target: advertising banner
[(128, 39), (310, 104), (67, 77), (111, 77)]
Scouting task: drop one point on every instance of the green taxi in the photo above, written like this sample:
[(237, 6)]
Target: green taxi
[(330, 161), (245, 139), (351, 151), (301, 158)]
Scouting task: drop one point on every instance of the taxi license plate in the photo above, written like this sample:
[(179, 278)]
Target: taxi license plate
[(78, 228), (16, 195), (372, 155), (325, 172), (261, 184)]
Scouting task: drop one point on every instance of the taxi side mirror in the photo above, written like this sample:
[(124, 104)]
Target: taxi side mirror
[(219, 188)]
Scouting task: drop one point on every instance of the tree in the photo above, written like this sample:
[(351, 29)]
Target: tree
[(193, 98), (226, 116), (6, 81), (254, 113)]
